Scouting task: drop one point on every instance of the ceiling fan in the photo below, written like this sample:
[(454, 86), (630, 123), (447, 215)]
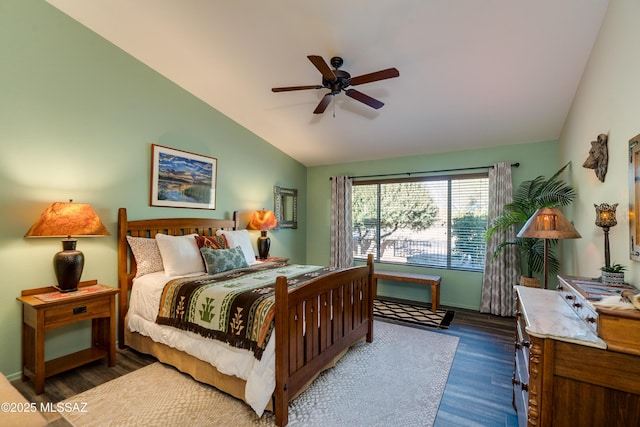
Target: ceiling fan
[(337, 81)]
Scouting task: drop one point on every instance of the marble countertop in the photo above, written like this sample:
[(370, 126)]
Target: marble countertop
[(547, 315)]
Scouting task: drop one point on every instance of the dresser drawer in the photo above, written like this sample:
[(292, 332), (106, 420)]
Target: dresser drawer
[(74, 311), (579, 304)]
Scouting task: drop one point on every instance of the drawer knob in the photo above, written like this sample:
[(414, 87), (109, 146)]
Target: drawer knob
[(577, 304), (591, 319), (569, 297), (523, 343), (524, 386)]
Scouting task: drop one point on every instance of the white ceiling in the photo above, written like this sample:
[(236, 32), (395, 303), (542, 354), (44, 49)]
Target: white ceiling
[(472, 73)]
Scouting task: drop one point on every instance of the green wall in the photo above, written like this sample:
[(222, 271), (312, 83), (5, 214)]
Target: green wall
[(606, 102), (459, 288), (77, 118)]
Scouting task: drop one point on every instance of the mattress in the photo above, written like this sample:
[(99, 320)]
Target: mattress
[(259, 374)]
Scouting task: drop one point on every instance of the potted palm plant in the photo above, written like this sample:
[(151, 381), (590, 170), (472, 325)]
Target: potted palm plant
[(530, 196)]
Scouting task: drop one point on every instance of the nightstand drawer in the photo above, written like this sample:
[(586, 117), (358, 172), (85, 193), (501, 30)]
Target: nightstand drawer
[(76, 311)]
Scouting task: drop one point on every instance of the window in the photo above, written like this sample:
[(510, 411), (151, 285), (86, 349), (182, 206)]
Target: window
[(432, 221)]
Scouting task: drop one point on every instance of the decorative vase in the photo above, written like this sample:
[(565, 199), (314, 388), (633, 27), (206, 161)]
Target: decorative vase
[(264, 243), (611, 278), (68, 265), (530, 282)]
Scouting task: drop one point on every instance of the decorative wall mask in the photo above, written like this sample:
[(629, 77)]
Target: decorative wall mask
[(598, 157)]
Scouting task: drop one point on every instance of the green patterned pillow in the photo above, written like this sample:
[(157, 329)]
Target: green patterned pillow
[(219, 260)]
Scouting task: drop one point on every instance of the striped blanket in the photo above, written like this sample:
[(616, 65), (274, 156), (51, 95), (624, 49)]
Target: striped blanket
[(236, 307)]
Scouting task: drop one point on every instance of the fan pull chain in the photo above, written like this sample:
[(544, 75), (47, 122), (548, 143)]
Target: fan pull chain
[(334, 106)]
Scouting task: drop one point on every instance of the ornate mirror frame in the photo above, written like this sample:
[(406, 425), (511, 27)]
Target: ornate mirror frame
[(285, 206)]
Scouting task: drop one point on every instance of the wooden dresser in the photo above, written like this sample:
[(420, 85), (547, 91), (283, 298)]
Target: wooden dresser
[(564, 373)]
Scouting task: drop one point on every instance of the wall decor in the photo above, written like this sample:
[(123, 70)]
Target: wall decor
[(180, 179), (598, 157), (285, 206), (634, 198)]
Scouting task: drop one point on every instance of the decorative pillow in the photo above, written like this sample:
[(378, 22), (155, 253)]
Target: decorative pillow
[(240, 238), (147, 255), (212, 242), (219, 260), (180, 254)]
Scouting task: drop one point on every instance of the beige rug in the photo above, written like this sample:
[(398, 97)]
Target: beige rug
[(396, 380)]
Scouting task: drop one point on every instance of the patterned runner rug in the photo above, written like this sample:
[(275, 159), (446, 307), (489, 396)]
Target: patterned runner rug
[(415, 313), (396, 380)]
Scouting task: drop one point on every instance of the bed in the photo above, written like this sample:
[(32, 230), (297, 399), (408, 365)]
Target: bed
[(315, 321)]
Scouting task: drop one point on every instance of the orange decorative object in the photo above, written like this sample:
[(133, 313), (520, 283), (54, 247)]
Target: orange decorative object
[(263, 220)]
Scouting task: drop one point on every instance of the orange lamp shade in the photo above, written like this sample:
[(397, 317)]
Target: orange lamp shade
[(64, 219), (263, 220)]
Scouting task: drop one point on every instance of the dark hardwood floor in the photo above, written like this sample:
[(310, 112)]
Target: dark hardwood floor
[(478, 391)]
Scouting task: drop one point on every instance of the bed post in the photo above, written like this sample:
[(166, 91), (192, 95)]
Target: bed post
[(371, 296), (281, 406), (123, 283)]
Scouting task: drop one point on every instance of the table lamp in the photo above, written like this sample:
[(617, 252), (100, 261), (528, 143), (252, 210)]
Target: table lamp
[(606, 218), (68, 219), (263, 220), (548, 223)]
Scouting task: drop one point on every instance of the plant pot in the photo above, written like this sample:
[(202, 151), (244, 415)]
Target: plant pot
[(530, 282), (610, 278)]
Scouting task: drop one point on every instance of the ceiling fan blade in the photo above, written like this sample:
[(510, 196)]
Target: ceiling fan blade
[(290, 88), (322, 66), (365, 99), (389, 73), (324, 102)]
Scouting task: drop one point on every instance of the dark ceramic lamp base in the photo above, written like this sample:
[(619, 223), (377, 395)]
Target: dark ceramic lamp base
[(68, 265), (264, 243)]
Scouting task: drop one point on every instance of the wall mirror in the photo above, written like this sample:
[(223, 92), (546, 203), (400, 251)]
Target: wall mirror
[(285, 206), (634, 198)]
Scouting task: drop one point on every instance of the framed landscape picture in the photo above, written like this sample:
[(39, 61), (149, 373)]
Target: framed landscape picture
[(180, 179)]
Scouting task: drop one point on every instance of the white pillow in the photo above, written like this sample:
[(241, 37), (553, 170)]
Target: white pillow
[(180, 254), (240, 238)]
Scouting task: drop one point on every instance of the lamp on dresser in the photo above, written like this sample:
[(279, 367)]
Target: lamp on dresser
[(548, 223), (606, 218), (263, 220), (68, 220)]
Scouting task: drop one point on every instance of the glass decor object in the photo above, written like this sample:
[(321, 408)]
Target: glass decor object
[(606, 218)]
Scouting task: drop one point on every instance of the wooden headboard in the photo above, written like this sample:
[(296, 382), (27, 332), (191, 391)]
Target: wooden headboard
[(149, 228)]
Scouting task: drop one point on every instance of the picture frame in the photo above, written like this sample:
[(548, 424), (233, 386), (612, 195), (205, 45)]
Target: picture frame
[(634, 198), (180, 179)]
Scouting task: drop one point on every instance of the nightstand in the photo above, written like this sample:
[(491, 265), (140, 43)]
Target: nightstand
[(275, 259), (44, 309)]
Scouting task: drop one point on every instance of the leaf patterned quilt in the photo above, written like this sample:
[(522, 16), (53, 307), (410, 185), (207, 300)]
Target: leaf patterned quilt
[(236, 307)]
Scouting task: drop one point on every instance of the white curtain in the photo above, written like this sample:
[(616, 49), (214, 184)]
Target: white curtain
[(341, 235), (503, 272)]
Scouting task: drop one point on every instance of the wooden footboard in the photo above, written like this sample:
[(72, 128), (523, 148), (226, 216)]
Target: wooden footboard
[(316, 322)]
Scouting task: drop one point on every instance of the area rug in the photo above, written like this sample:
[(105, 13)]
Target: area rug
[(396, 380), (419, 314)]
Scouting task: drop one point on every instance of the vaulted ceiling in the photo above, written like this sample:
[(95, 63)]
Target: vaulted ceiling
[(472, 73)]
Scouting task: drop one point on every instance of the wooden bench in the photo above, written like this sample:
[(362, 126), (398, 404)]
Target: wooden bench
[(424, 279)]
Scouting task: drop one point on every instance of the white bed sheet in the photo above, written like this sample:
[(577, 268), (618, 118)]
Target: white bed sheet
[(259, 374)]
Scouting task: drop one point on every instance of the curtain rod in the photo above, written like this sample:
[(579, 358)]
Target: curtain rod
[(515, 165)]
